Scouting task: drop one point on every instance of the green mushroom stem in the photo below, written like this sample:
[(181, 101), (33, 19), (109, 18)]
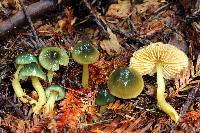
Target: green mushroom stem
[(85, 76), (18, 89), (41, 93), (51, 102), (166, 107)]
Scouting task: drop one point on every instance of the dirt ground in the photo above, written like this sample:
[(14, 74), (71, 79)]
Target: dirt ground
[(117, 29)]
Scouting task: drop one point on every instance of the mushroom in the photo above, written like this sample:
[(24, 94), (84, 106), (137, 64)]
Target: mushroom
[(104, 97), (35, 72), (125, 83), (54, 93), (167, 61), (51, 57), (85, 53), (21, 60)]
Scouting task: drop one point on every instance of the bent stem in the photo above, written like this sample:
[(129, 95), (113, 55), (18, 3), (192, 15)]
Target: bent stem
[(18, 89), (166, 107), (51, 103), (41, 93), (85, 76)]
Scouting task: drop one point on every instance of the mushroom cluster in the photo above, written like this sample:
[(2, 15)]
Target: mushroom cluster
[(124, 82), (50, 58), (167, 61)]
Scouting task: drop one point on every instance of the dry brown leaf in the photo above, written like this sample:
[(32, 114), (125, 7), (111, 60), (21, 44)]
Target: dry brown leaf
[(111, 45), (148, 5), (120, 10)]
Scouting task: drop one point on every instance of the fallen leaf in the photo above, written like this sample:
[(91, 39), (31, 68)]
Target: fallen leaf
[(111, 45), (120, 10)]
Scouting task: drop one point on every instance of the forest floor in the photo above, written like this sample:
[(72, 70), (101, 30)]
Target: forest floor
[(117, 29)]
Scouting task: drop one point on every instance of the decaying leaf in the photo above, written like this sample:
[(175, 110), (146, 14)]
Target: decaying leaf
[(65, 25), (120, 10), (148, 5), (111, 45)]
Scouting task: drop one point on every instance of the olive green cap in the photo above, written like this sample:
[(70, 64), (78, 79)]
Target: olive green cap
[(31, 70), (85, 53), (25, 58), (125, 83), (56, 88), (104, 97), (51, 57)]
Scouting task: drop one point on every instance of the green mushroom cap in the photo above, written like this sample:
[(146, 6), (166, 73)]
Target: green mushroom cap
[(31, 70), (56, 88), (51, 57), (125, 83), (25, 58), (85, 53), (104, 97)]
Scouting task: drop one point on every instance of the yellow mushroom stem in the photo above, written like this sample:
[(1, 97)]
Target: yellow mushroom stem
[(18, 89), (166, 107), (41, 93), (51, 103), (50, 75), (85, 76)]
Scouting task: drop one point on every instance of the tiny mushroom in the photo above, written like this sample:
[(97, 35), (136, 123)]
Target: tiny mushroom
[(51, 57), (21, 60), (104, 97), (85, 53), (125, 83), (35, 72), (167, 61), (54, 93)]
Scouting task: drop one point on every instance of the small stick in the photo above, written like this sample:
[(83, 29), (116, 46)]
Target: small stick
[(34, 10), (190, 98), (38, 44), (99, 22)]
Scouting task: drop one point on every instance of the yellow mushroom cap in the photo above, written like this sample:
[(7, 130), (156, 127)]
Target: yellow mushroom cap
[(172, 59)]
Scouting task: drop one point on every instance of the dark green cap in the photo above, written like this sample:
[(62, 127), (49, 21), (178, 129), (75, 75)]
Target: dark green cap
[(104, 97), (56, 88), (85, 53), (31, 70), (25, 58), (51, 57)]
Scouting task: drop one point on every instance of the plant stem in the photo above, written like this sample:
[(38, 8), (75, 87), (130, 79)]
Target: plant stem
[(85, 76), (50, 75), (41, 93), (18, 89), (166, 107), (50, 103)]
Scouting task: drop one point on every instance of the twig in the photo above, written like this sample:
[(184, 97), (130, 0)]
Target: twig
[(99, 22), (190, 98), (34, 10), (38, 44), (131, 37)]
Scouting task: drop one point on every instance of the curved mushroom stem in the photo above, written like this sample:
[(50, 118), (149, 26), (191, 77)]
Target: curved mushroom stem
[(50, 75), (85, 76), (18, 89), (41, 93), (49, 106), (166, 107)]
